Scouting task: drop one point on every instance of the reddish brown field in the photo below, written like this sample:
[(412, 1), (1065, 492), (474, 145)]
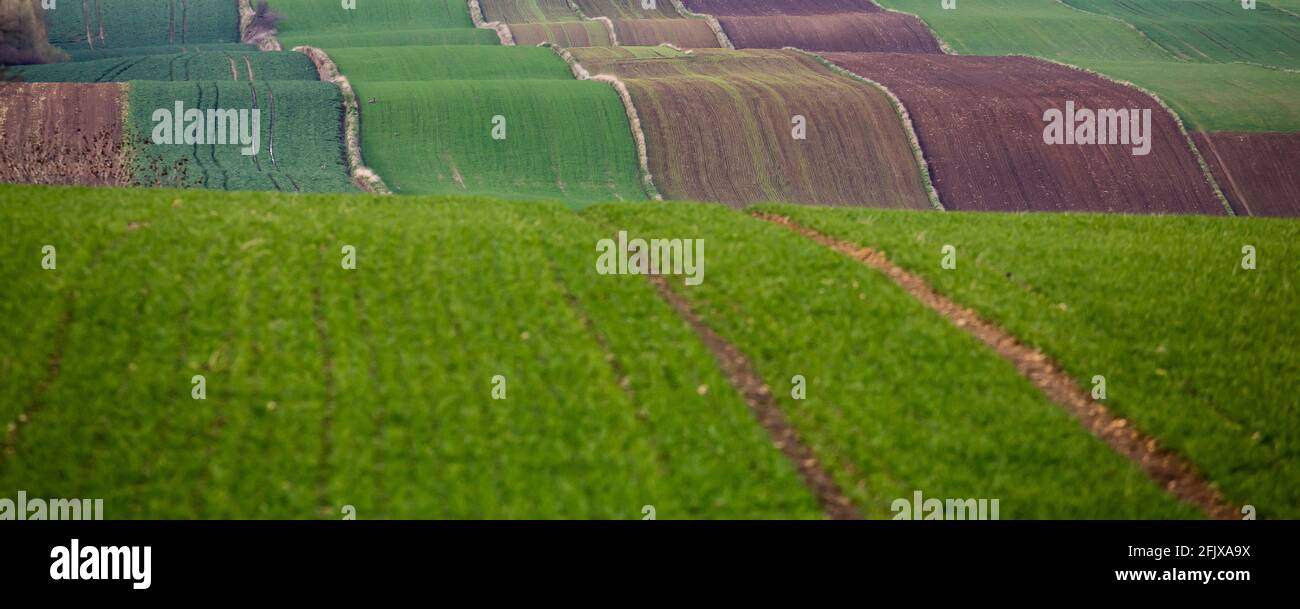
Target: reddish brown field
[(1259, 172), (718, 127), (843, 32), (980, 123), (688, 33), (52, 133), (818, 25)]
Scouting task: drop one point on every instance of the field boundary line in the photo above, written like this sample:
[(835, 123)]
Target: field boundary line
[(1227, 173), (758, 396), (502, 30), (714, 24), (904, 117), (943, 44), (363, 177), (1174, 473), (1178, 120), (633, 119)]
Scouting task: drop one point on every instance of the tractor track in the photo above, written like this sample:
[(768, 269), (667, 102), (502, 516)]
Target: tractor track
[(1175, 474)]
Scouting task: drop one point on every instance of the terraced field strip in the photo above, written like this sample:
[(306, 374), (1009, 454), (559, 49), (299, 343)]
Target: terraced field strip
[(379, 23), (1208, 96), (63, 134), (818, 25), (585, 23), (1170, 471), (1257, 171), (637, 25), (721, 126), (118, 24), (1218, 97), (201, 65), (981, 123), (1158, 306), (403, 425), (506, 121), (303, 124), (1209, 31), (897, 399)]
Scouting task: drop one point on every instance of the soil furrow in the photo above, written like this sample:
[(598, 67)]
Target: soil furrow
[(1172, 472), (742, 375)]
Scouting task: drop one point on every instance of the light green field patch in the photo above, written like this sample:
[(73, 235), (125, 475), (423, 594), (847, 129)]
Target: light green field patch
[(378, 23), (1047, 28), (1210, 30), (562, 140), (1218, 97), (380, 64)]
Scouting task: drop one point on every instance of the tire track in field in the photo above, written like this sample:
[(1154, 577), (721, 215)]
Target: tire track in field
[(742, 375), (380, 413), (331, 393), (212, 149), (1175, 474), (270, 133), (85, 20), (54, 365)]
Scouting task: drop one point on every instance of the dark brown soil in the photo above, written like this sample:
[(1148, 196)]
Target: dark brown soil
[(57, 133), (1258, 172), (980, 124)]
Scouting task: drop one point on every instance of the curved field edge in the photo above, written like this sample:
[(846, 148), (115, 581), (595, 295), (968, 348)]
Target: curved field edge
[(703, 145), (1193, 348)]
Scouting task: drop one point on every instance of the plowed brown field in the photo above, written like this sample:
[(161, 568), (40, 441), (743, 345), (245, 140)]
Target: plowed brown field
[(55, 133), (718, 127), (980, 122), (1259, 172), (818, 25)]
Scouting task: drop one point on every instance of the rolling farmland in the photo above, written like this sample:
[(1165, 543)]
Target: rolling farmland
[(1211, 96), (557, 22), (818, 25), (980, 121), (797, 308), (339, 390), (1257, 171), (460, 350), (1163, 323), (430, 127), (1208, 31), (719, 128), (299, 136), (119, 24), (202, 65), (384, 23)]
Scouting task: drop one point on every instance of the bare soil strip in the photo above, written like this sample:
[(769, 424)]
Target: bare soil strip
[(759, 397), (1171, 471)]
